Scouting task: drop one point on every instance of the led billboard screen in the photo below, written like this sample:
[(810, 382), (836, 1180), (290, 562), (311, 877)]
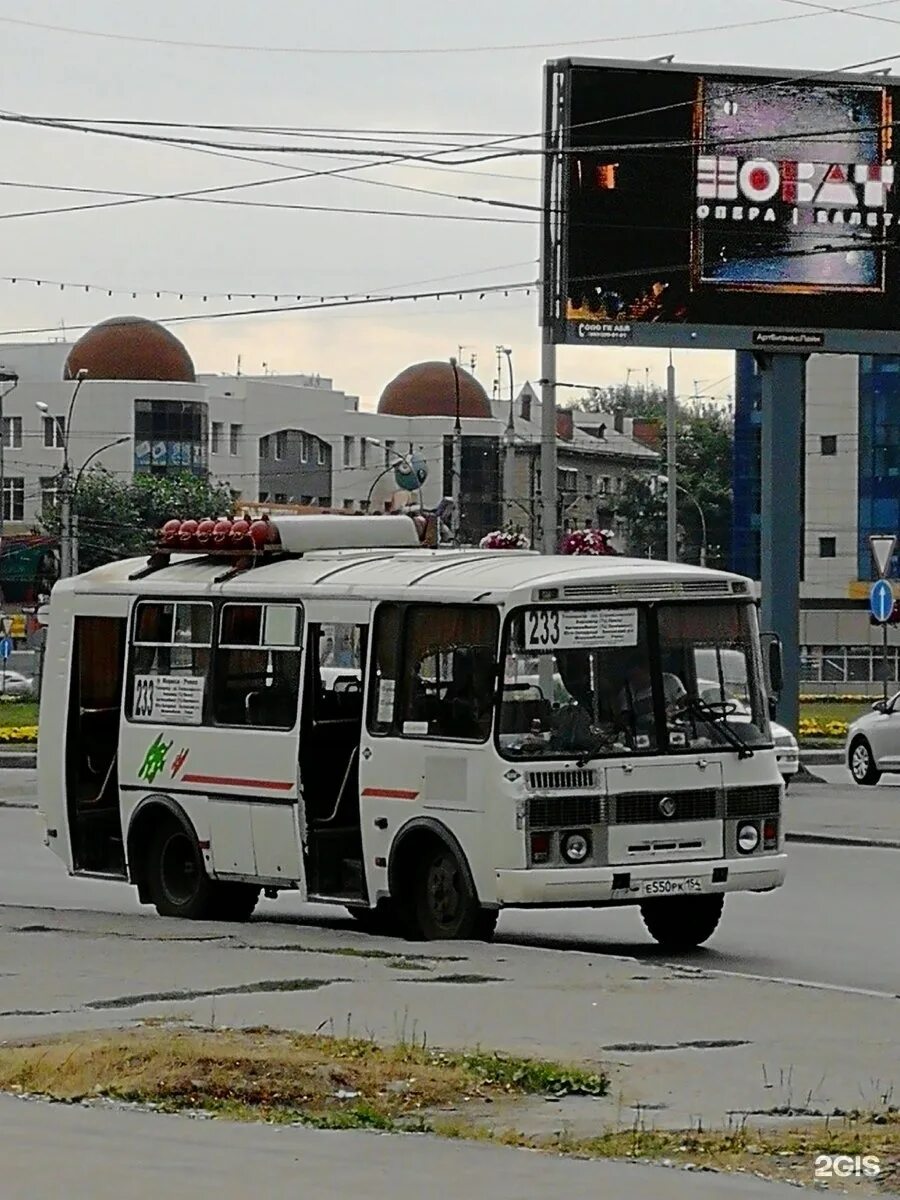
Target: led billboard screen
[(715, 207)]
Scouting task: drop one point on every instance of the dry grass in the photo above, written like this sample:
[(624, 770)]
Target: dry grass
[(333, 1082), (276, 1075)]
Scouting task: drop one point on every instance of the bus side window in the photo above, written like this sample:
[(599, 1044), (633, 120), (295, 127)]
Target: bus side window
[(169, 640), (385, 668), (256, 680), (450, 671)]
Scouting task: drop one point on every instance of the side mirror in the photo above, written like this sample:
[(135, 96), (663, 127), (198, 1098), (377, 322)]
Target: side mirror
[(774, 663), (879, 706)]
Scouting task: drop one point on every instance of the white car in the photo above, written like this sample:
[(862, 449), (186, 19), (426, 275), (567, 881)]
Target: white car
[(14, 683), (873, 742), (787, 752)]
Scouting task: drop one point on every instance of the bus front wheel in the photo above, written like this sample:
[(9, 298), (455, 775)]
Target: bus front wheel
[(443, 901), (682, 922), (179, 886)]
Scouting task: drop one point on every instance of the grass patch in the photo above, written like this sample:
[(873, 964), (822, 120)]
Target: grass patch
[(781, 1154), (822, 713), (353, 1083), (18, 712), (281, 1076)]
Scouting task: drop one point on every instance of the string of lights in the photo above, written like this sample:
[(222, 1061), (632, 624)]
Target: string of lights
[(187, 294), (482, 291)]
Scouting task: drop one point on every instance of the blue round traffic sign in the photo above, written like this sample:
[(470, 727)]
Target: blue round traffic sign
[(881, 600)]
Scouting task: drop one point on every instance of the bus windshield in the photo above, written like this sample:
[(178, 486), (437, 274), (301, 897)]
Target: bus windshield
[(594, 682)]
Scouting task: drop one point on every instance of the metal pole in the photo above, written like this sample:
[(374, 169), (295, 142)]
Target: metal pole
[(671, 466), (884, 658), (783, 405), (702, 515), (510, 442), (456, 490), (65, 533), (548, 489)]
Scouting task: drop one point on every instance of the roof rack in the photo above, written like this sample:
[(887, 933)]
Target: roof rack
[(248, 543)]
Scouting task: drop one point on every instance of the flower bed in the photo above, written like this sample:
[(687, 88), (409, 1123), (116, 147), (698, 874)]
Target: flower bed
[(822, 729), (18, 735)]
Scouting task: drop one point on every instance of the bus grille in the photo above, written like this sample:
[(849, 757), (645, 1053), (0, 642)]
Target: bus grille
[(558, 781), (650, 590), (558, 812), (753, 801), (642, 808)]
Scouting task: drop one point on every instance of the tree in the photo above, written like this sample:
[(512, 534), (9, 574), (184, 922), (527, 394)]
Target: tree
[(119, 519), (704, 443)]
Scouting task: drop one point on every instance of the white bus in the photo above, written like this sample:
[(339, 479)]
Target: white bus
[(506, 730)]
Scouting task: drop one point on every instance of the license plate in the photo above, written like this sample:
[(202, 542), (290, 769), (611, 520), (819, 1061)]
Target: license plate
[(671, 887)]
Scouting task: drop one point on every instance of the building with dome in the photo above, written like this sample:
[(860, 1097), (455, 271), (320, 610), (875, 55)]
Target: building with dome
[(141, 408)]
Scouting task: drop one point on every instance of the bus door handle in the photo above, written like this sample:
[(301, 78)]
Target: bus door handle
[(702, 764)]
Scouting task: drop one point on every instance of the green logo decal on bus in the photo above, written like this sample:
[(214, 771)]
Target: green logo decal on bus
[(154, 759)]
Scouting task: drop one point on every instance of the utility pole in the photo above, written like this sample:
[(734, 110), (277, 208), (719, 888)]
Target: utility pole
[(456, 490), (671, 466), (549, 489), (509, 437)]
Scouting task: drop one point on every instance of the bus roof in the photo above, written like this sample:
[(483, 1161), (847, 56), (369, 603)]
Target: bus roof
[(447, 574)]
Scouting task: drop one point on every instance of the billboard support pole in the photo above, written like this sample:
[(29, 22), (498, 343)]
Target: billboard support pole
[(550, 517), (671, 466), (783, 407)]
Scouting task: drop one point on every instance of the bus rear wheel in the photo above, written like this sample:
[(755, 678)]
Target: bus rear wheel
[(682, 922)]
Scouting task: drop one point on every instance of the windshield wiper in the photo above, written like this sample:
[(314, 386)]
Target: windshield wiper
[(716, 716)]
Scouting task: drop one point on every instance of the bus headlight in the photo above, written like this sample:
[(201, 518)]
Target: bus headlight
[(747, 838), (575, 847)]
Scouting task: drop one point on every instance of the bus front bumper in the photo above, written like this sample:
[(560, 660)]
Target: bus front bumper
[(633, 884)]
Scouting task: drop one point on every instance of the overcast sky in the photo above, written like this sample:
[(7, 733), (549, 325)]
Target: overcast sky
[(197, 248)]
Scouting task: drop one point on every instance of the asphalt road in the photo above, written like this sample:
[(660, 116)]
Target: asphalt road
[(103, 1154), (833, 922)]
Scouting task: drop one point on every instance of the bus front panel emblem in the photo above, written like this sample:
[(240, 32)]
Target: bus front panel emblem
[(667, 806)]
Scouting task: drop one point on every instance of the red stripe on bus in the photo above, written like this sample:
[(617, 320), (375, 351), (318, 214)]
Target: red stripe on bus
[(390, 793), (273, 785)]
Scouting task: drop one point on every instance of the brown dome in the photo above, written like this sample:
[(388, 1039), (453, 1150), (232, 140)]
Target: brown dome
[(428, 389), (130, 348)]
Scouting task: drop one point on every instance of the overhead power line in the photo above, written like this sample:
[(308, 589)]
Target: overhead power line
[(413, 51)]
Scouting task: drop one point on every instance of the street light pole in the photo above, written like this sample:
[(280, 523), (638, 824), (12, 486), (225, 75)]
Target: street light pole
[(701, 514), (68, 542), (671, 466), (456, 489), (509, 439)]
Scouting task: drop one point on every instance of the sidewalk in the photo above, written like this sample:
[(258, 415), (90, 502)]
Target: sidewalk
[(842, 813)]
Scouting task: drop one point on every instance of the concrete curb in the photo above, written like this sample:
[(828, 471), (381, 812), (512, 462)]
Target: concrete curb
[(821, 757), (18, 758), (839, 839)]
